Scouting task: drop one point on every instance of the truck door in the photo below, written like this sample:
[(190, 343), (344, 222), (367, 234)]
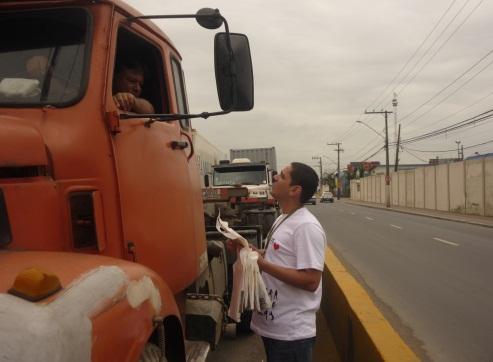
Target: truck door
[(153, 172)]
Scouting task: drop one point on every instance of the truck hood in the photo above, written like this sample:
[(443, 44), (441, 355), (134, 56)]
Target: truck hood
[(59, 328), (21, 144)]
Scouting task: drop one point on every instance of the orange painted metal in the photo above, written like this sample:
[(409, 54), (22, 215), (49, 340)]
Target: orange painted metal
[(119, 331), (145, 193)]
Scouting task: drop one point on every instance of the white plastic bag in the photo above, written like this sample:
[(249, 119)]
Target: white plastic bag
[(249, 292), (19, 87)]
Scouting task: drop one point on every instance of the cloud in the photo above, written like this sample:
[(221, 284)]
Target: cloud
[(318, 65)]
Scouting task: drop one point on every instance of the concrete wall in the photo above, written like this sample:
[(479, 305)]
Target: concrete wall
[(394, 185), (457, 187), (474, 187), (488, 186), (381, 193), (419, 188), (430, 196), (410, 188), (373, 189), (464, 187), (442, 193), (402, 188)]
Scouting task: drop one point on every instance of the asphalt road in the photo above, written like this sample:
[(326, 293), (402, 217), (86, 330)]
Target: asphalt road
[(431, 278)]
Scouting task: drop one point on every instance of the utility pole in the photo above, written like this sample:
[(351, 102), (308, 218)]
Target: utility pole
[(462, 152), (319, 158), (387, 171), (396, 166), (338, 150), (394, 104)]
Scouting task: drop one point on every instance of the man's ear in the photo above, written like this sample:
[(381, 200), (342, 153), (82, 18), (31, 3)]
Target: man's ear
[(295, 191)]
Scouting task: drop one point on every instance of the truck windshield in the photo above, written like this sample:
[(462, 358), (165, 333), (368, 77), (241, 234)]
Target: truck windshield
[(42, 57), (241, 175)]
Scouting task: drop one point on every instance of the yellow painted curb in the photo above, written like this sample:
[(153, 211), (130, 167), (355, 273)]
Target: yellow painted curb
[(360, 331)]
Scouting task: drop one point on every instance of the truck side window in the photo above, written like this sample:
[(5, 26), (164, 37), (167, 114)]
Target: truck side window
[(44, 56), (135, 49), (181, 98)]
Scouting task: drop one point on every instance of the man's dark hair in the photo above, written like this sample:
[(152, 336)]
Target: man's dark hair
[(306, 177), (126, 61)]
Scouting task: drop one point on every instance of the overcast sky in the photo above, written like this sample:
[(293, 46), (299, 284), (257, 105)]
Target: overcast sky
[(319, 64)]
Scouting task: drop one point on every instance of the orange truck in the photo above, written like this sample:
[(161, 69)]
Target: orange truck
[(103, 254)]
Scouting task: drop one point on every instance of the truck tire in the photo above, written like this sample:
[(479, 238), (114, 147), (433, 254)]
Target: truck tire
[(243, 327), (151, 353)]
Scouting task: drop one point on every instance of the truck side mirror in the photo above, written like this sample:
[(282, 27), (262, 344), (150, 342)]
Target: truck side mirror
[(206, 180), (234, 74)]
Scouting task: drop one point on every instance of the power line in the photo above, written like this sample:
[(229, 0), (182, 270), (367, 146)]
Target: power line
[(431, 151), (463, 109), (444, 43), (414, 54), (330, 159), (374, 154), (451, 150), (416, 157), (365, 149), (449, 85), (479, 144), (348, 130), (473, 120)]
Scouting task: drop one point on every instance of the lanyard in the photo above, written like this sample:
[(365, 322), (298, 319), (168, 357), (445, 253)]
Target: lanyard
[(276, 226)]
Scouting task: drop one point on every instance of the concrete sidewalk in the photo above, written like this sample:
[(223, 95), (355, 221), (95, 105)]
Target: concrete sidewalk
[(486, 221)]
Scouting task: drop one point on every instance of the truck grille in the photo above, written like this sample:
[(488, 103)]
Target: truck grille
[(5, 234)]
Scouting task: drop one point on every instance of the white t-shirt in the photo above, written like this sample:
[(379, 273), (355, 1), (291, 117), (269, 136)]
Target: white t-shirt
[(298, 243)]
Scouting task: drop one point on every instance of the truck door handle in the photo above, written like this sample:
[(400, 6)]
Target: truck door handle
[(179, 145)]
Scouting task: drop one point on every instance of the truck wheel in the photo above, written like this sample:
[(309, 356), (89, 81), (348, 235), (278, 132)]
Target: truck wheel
[(151, 353), (243, 327)]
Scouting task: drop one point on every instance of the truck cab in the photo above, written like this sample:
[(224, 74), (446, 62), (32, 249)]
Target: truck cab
[(92, 196), (256, 176)]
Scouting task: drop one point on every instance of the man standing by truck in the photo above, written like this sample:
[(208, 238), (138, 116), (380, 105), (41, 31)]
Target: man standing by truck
[(292, 270)]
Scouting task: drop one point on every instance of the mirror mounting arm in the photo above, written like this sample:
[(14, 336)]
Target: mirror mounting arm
[(170, 117)]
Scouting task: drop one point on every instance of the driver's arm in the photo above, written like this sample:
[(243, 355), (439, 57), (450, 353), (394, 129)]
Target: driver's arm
[(129, 103)]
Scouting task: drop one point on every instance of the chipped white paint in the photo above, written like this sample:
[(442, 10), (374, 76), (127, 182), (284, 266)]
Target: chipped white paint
[(139, 291), (62, 329)]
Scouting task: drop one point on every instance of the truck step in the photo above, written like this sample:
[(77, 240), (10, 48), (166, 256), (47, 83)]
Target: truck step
[(196, 351)]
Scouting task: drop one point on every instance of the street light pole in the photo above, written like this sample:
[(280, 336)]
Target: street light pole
[(458, 150), (387, 170)]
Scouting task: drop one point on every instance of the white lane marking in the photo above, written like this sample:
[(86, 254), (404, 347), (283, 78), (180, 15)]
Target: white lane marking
[(446, 241), (369, 218), (396, 226)]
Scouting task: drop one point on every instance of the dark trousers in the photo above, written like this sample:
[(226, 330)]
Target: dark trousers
[(300, 350)]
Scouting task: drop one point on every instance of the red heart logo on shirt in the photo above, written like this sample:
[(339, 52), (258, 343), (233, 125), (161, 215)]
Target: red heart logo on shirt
[(276, 246)]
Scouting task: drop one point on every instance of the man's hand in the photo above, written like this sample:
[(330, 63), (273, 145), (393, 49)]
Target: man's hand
[(233, 245), (124, 101), (128, 102), (37, 66), (306, 279)]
